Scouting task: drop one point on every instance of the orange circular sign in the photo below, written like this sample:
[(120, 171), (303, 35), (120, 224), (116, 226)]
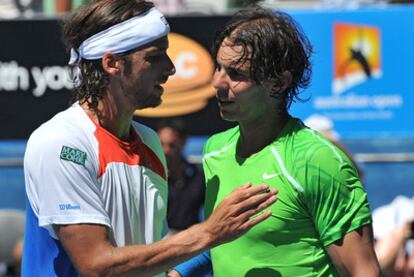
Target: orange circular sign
[(190, 88)]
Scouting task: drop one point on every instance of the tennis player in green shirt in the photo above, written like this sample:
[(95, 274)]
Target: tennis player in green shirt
[(321, 223)]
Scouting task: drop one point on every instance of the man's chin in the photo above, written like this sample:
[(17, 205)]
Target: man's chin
[(153, 104), (156, 103), (227, 117)]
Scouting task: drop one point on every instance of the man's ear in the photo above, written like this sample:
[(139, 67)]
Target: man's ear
[(283, 84), (111, 64)]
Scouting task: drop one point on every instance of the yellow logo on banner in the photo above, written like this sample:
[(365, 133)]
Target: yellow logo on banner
[(357, 55), (190, 88)]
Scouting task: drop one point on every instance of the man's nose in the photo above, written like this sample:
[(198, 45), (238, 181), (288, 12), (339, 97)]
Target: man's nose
[(220, 79), (170, 67)]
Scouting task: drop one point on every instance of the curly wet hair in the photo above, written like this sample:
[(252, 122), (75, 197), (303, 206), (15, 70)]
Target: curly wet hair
[(274, 43), (84, 23)]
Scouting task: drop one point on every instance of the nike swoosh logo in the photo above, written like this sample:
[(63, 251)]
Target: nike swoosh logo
[(269, 176)]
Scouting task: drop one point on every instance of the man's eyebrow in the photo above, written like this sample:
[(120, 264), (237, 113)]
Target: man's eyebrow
[(232, 67), (237, 68), (156, 50)]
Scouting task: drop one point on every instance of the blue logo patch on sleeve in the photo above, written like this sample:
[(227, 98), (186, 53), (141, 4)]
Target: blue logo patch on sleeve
[(66, 207)]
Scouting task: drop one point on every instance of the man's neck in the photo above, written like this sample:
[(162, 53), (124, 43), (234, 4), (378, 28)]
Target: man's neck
[(111, 116), (256, 135)]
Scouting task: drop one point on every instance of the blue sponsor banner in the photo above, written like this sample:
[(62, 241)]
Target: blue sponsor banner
[(362, 70)]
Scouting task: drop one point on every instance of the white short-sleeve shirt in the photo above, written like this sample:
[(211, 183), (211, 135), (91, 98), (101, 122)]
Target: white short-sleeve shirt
[(78, 172)]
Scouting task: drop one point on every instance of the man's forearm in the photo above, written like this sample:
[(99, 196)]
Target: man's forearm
[(149, 260), (92, 254)]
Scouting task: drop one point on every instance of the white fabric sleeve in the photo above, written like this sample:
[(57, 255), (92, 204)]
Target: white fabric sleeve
[(62, 181)]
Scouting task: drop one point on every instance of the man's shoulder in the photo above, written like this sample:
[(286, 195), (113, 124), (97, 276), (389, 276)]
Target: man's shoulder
[(144, 132), (150, 138), (307, 144), (310, 152), (68, 127), (147, 135)]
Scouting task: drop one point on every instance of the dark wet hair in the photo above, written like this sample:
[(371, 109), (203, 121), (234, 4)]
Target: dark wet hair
[(84, 23), (276, 44)]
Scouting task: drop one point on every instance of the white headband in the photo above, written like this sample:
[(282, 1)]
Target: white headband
[(124, 36)]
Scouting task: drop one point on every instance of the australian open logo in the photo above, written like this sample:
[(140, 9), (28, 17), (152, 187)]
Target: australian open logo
[(357, 71), (357, 55), (66, 207)]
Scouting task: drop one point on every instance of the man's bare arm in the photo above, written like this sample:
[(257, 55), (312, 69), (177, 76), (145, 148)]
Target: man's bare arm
[(90, 249), (354, 254)]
